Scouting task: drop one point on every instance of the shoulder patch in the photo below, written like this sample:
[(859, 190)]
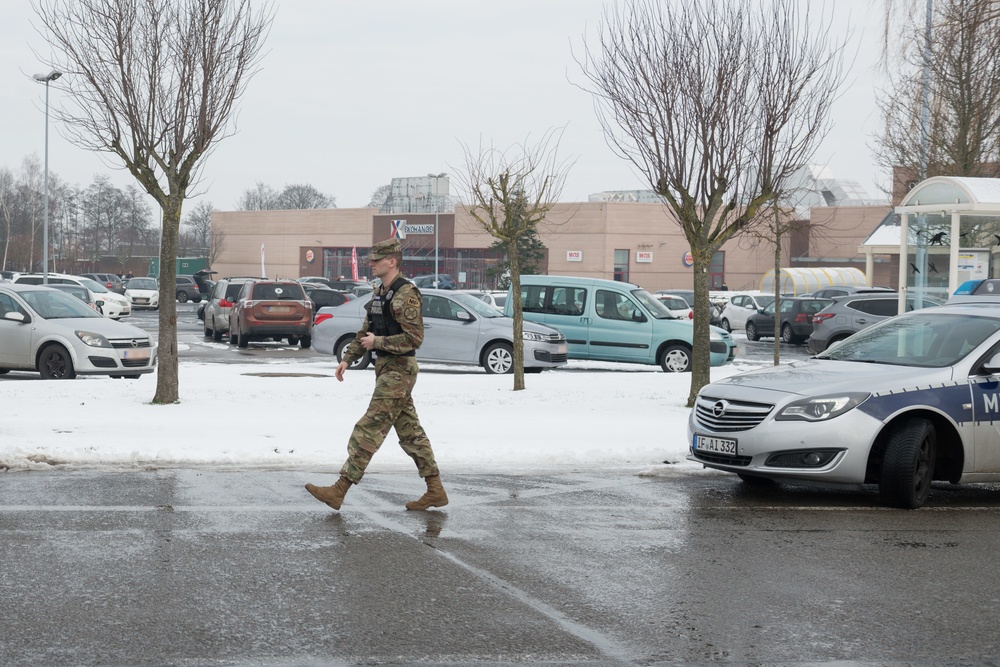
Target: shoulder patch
[(410, 313)]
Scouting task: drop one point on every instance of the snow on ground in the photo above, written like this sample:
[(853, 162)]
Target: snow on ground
[(294, 414)]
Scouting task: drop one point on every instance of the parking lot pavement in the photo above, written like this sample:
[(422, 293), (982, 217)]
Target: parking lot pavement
[(585, 567)]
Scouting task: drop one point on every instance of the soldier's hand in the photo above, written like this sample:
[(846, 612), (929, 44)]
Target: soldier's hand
[(368, 342), (339, 373)]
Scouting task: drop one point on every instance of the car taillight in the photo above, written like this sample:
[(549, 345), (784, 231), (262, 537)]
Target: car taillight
[(802, 318), (690, 314), (322, 317), (108, 285), (819, 318), (225, 304)]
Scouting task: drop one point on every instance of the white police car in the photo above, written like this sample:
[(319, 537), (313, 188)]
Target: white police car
[(913, 399)]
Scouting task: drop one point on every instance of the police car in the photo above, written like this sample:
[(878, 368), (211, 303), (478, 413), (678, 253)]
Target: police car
[(911, 400)]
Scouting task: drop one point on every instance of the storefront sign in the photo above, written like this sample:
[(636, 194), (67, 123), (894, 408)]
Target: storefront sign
[(688, 259), (643, 256), (574, 255), (420, 229), (310, 256)]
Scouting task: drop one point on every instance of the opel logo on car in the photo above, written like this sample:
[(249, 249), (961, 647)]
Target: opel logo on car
[(135, 343), (719, 408)]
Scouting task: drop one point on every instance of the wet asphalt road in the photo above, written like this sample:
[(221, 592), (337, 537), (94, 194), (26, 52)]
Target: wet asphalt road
[(567, 567), (564, 567)]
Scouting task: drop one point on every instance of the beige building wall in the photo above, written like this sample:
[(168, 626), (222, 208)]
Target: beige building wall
[(588, 231)]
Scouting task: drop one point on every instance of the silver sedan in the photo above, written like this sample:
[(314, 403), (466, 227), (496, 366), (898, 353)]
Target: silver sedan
[(458, 329)]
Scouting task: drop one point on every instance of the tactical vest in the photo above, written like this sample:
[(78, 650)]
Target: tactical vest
[(381, 320)]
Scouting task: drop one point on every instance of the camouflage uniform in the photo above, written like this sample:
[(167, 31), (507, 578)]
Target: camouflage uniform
[(391, 405)]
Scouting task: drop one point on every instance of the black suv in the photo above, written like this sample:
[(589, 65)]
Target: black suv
[(796, 319), (187, 289)]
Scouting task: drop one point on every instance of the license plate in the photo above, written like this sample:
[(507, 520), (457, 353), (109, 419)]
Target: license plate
[(561, 348), (715, 445), (279, 309), (135, 354)]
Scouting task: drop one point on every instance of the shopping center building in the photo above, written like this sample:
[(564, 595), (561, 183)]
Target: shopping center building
[(616, 235)]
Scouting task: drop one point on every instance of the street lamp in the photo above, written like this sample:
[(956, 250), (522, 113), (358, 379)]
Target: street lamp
[(437, 206), (46, 78)]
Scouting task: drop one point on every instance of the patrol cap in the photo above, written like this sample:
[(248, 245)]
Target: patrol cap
[(384, 249)]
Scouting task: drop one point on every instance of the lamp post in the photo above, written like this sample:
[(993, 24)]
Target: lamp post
[(46, 78), (437, 207)]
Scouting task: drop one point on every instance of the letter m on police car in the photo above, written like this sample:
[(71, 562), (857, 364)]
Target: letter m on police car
[(990, 403), (398, 230)]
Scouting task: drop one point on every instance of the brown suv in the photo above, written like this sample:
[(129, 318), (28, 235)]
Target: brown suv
[(271, 309)]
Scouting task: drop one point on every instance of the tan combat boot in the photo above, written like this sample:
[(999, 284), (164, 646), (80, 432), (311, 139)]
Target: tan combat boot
[(331, 495), (434, 497)]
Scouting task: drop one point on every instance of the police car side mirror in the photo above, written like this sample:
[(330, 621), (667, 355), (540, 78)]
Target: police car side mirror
[(993, 365), (15, 316)]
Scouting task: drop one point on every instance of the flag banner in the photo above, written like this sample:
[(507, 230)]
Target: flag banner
[(262, 274), (354, 262), (398, 230)]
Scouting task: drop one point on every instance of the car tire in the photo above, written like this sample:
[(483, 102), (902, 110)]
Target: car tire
[(360, 363), (725, 325), (4, 371), (209, 333), (751, 330), (676, 359), (217, 335), (305, 342), (908, 464), (233, 338), (182, 297), (54, 363), (292, 340), (243, 340), (197, 299), (498, 359), (787, 335)]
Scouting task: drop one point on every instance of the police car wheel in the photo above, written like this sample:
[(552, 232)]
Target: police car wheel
[(676, 359), (908, 464), (499, 359)]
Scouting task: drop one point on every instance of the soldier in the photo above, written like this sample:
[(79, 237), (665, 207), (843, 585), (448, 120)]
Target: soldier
[(392, 331)]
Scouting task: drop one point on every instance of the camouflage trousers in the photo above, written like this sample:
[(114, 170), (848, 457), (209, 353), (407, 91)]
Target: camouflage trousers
[(391, 407)]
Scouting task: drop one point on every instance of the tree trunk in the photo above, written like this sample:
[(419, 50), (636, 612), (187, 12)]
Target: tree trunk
[(700, 355), (166, 347), (777, 289), (515, 289)]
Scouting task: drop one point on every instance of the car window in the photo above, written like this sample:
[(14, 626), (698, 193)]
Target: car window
[(437, 307), (533, 298), (813, 306), (278, 292), (653, 305), (142, 283), (674, 303), (29, 280), (760, 302), (57, 305), (567, 301), (233, 291), (94, 286), (8, 305), (879, 307), (613, 306), (478, 307)]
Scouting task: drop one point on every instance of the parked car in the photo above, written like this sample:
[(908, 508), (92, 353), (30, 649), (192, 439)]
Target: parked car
[(113, 305), (187, 289), (218, 305), (435, 280), (109, 280), (495, 298), (324, 297), (272, 309), (344, 285), (49, 331), (317, 280), (609, 320), (458, 329), (849, 314), (796, 319), (901, 404), (143, 293), (677, 306), (740, 307), (846, 290)]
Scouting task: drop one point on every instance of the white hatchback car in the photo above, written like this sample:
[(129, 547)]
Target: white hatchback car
[(54, 333), (111, 304), (908, 401), (143, 293), (740, 307)]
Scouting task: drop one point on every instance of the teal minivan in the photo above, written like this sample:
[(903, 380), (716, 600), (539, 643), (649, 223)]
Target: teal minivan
[(609, 320)]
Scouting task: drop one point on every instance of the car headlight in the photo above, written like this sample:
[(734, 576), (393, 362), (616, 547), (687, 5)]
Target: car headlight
[(93, 339), (531, 335), (820, 408)]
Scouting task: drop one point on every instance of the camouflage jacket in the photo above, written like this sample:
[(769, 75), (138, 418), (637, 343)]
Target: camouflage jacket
[(405, 306)]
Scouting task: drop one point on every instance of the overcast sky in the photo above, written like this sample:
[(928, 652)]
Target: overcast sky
[(352, 94)]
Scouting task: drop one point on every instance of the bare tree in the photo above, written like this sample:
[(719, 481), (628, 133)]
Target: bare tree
[(154, 83), (510, 193), (716, 104), (261, 197), (949, 70), (7, 194), (199, 223), (304, 196), (380, 196)]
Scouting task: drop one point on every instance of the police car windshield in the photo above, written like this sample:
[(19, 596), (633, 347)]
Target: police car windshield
[(921, 338)]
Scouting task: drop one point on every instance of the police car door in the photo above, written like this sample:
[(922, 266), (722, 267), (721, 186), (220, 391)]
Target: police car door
[(985, 409)]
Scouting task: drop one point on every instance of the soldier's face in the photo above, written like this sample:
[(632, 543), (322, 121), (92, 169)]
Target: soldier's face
[(384, 267)]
